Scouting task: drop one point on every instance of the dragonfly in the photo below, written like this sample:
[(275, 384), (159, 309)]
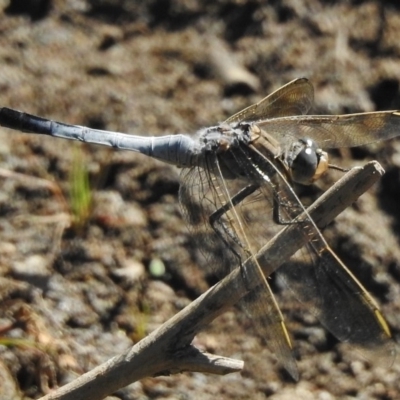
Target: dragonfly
[(237, 189)]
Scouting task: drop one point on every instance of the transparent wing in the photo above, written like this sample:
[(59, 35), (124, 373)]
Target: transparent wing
[(295, 98), (335, 130), (205, 191), (331, 292)]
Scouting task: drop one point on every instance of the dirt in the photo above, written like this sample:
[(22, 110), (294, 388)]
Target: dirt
[(88, 268)]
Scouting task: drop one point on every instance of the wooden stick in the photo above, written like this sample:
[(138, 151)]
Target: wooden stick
[(168, 350)]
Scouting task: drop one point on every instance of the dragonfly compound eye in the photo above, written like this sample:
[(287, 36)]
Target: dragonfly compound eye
[(303, 161)]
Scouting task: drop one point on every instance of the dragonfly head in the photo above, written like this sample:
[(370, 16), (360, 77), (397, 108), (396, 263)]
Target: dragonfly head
[(306, 162)]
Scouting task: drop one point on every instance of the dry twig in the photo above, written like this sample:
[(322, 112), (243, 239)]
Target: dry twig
[(168, 350)]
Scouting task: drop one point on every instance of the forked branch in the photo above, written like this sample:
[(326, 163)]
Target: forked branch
[(168, 350)]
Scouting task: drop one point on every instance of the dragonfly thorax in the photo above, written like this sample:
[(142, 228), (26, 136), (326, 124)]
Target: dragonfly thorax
[(218, 139), (305, 161)]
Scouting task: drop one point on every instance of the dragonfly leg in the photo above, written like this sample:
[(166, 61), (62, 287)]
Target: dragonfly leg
[(235, 200), (277, 216)]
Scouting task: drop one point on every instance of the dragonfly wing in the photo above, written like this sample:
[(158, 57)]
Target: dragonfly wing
[(259, 303), (261, 306), (295, 98), (331, 292), (335, 130), (204, 191), (199, 199)]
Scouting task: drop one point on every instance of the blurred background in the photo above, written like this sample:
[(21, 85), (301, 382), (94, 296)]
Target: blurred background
[(94, 253)]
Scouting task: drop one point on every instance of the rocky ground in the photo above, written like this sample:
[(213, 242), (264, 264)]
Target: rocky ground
[(94, 253)]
